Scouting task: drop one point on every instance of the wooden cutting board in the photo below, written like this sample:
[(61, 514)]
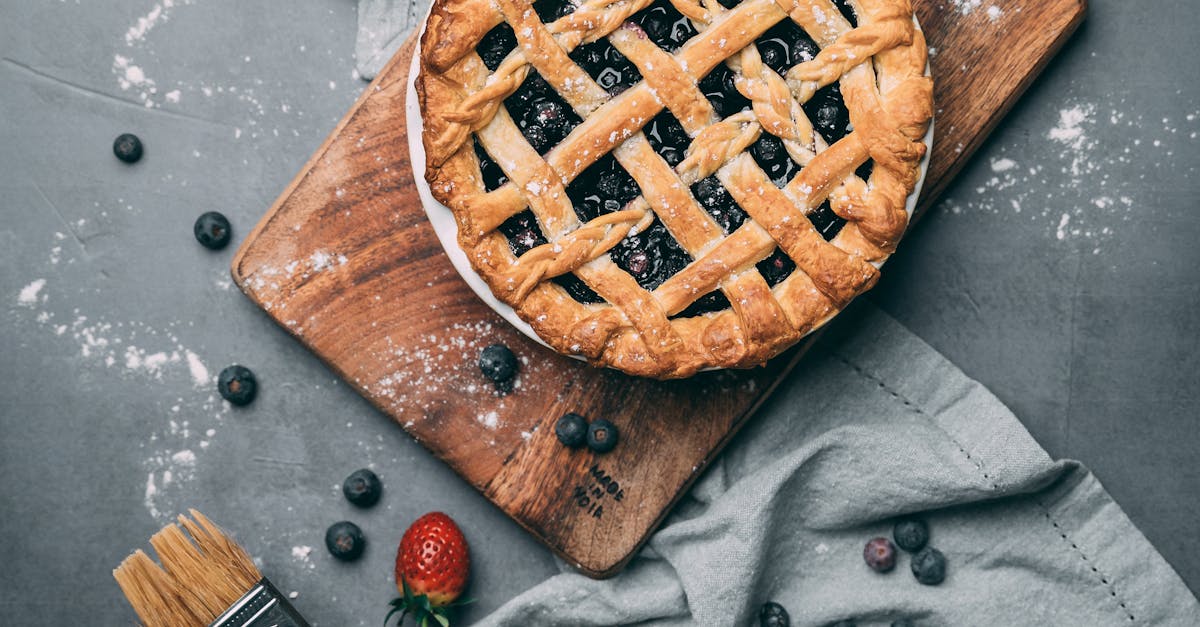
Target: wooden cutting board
[(347, 263)]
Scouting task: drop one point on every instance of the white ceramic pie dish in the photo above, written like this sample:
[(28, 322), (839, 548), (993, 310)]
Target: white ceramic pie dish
[(446, 228)]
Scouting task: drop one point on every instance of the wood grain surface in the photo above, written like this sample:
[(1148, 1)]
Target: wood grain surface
[(347, 263)]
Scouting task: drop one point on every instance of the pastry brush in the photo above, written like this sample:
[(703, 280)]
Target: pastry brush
[(205, 580)]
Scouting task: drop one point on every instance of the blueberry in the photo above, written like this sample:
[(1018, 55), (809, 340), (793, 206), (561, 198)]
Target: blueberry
[(127, 147), (496, 45), (774, 54), (785, 45), (911, 534), (362, 488), (651, 257), (607, 65), (667, 137), (772, 156), (602, 436), (537, 138), (212, 230), (903, 622), (345, 541), (523, 232), (604, 187), (498, 364), (721, 91), (718, 203), (828, 113), (880, 555), (547, 112), (803, 48), (776, 268), (572, 430), (549, 115), (609, 184), (929, 566), (237, 385), (590, 57), (523, 105), (772, 614), (665, 25), (638, 262)]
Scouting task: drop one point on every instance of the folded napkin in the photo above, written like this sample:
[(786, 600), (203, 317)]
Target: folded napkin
[(873, 424)]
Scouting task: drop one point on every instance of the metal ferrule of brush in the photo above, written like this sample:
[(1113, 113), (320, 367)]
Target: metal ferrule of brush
[(263, 606)]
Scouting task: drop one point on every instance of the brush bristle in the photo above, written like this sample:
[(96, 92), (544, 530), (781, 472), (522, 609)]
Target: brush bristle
[(203, 573)]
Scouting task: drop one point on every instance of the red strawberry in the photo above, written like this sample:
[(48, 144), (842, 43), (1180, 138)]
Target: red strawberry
[(432, 564)]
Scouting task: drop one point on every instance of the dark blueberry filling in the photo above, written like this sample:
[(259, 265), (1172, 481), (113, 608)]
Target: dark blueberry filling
[(578, 289), (665, 26), (523, 232), (604, 63), (826, 222), (493, 176), (651, 257), (715, 199), (496, 45), (828, 113), (667, 137), (864, 171), (847, 11), (770, 154), (785, 45), (776, 268), (710, 302), (551, 10), (604, 187), (718, 87), (542, 115)]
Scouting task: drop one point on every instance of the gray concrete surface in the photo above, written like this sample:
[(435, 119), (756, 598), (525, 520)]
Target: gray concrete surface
[(1059, 270)]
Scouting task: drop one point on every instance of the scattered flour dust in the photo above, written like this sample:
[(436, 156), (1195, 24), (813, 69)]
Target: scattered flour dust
[(176, 439), (1070, 126), (1085, 189), (29, 294), (1061, 233), (1003, 165), (160, 12), (967, 7), (491, 419), (135, 63), (302, 553)]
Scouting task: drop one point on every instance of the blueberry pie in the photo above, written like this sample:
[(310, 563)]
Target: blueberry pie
[(663, 186)]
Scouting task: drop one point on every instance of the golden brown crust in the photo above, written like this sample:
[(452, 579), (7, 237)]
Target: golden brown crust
[(890, 103)]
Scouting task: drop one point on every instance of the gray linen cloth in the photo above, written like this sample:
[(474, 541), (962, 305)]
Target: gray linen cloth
[(873, 424)]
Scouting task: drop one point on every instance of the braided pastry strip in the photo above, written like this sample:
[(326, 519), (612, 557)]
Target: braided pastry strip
[(634, 332)]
